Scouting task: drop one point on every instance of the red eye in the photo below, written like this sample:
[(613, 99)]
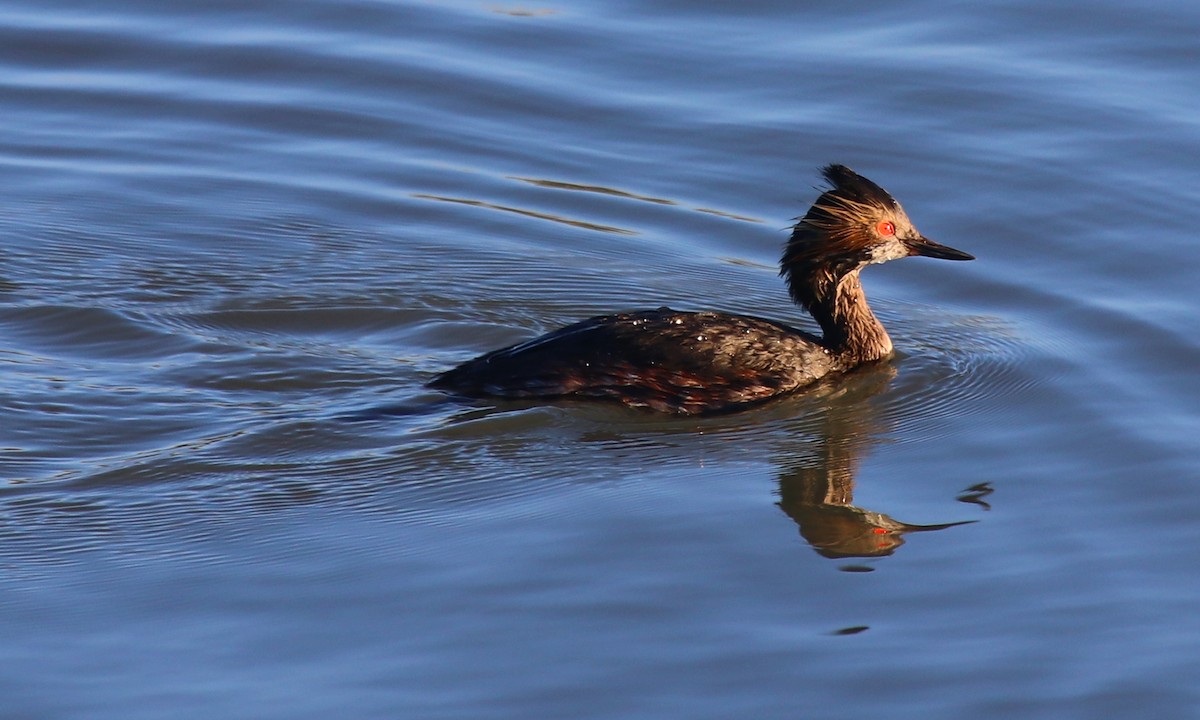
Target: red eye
[(886, 227)]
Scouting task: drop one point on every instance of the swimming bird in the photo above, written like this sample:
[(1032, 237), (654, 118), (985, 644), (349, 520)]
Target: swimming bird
[(692, 363)]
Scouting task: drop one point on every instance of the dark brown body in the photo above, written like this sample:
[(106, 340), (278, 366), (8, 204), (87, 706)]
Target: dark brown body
[(690, 363), (661, 359)]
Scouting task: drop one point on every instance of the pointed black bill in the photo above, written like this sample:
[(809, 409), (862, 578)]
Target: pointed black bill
[(925, 247)]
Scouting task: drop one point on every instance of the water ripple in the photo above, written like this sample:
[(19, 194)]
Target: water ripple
[(958, 367)]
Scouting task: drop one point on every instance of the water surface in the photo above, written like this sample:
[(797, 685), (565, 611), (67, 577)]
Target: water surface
[(237, 239)]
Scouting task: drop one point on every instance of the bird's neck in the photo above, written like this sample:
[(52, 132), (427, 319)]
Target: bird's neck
[(850, 330)]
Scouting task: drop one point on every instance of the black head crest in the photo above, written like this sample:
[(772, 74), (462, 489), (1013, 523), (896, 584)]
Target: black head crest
[(853, 186)]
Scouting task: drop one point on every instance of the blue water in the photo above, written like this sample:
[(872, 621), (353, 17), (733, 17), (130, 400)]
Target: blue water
[(236, 239)]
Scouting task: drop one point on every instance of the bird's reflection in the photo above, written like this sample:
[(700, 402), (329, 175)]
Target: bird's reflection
[(816, 490), (817, 441)]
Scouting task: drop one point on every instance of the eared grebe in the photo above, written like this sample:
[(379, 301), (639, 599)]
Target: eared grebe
[(701, 362)]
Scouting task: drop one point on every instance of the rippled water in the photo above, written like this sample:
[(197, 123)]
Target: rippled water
[(236, 239)]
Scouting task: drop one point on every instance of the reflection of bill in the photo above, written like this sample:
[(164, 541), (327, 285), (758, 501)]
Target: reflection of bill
[(840, 531), (817, 490)]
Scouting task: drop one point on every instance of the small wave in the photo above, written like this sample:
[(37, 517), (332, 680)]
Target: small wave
[(583, 224)]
